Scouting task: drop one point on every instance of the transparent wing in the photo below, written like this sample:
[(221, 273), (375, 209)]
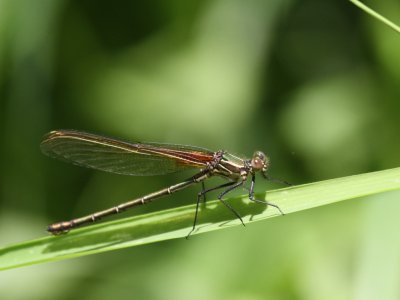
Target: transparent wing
[(116, 156)]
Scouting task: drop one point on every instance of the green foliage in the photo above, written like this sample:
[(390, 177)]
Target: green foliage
[(177, 222), (376, 15)]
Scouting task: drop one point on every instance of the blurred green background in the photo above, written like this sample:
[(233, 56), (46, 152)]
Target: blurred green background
[(314, 84)]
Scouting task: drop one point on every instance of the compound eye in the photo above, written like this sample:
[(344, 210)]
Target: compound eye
[(260, 155), (258, 161)]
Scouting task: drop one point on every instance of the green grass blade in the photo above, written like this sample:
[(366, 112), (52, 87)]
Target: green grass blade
[(177, 222), (377, 16)]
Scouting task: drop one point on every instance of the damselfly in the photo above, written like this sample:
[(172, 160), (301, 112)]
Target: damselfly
[(116, 156)]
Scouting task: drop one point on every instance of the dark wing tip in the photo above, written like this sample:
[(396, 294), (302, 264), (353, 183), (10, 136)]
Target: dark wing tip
[(56, 133), (53, 135)]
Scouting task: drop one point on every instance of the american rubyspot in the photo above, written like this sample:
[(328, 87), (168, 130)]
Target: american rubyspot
[(137, 159)]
